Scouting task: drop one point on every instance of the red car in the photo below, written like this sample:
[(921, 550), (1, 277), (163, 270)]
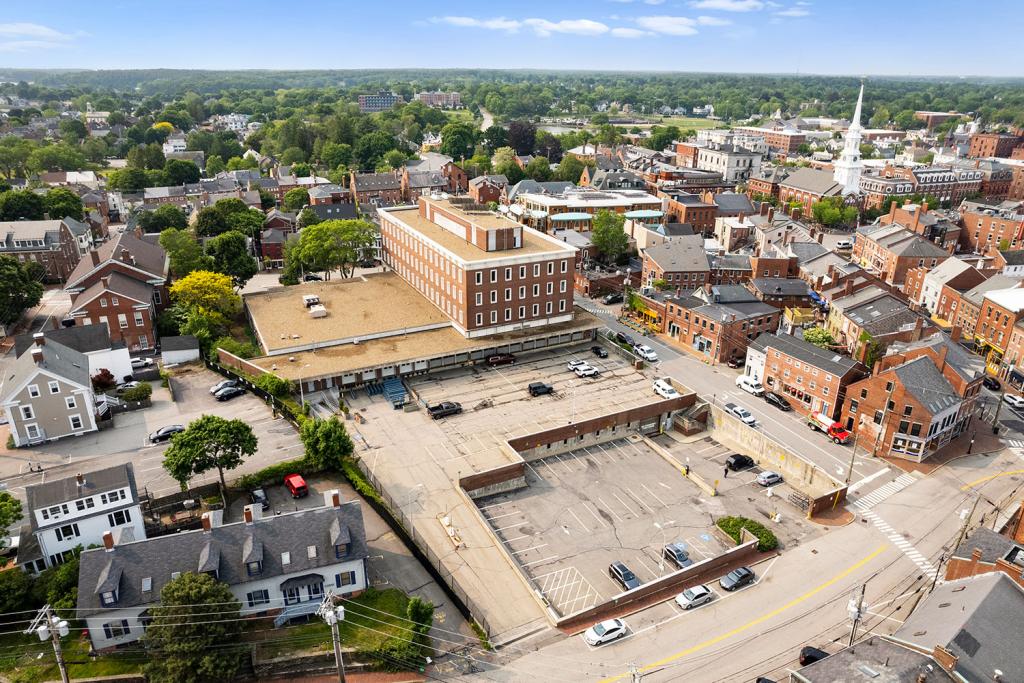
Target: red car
[(501, 359), (296, 485)]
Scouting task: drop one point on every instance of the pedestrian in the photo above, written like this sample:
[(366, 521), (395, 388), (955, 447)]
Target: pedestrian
[(725, 474)]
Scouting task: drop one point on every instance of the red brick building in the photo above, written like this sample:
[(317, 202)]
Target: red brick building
[(718, 328), (986, 226), (487, 188), (986, 552), (49, 243), (686, 154), (684, 207), (994, 144), (807, 186), (376, 189), (781, 140), (681, 262), (890, 251), (1000, 311)]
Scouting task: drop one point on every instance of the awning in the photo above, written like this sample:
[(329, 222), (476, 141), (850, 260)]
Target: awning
[(517, 209), (644, 213), (571, 216), (538, 213), (302, 580)]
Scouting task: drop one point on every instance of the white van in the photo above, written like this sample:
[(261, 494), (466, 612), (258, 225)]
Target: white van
[(750, 385), (844, 244), (664, 389)]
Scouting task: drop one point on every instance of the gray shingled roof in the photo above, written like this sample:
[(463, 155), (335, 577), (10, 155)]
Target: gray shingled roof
[(83, 338), (806, 251), (829, 361), (343, 211), (183, 343), (58, 359), (781, 286), (976, 294), (96, 482), (813, 181), (993, 546), (926, 383), (149, 258), (730, 262), (685, 255), (377, 181), (979, 620), (225, 548), (875, 660), (733, 202)]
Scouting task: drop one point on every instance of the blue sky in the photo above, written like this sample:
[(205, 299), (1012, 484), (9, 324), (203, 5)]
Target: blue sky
[(857, 37)]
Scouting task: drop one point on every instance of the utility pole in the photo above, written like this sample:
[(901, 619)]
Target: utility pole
[(46, 625), (967, 522), (885, 419), (332, 615), (853, 455), (856, 610)]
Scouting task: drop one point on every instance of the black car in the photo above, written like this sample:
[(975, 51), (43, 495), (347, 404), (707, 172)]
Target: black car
[(599, 351), (991, 383), (259, 497), (810, 655), (228, 393), (625, 339), (165, 433), (736, 362), (737, 578), (312, 277), (367, 263), (774, 399), (501, 359), (444, 409), (540, 388), (613, 298), (622, 575), (738, 461)]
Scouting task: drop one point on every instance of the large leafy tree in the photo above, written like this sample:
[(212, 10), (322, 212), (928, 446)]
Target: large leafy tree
[(10, 512), (16, 205), (224, 216), (185, 253), (60, 202), (192, 632), (209, 442), (146, 157), (570, 168), (128, 180), (372, 147), (538, 169), (162, 218), (327, 443), (522, 136), (58, 157), (819, 336), (205, 290), (20, 288), (457, 140), (608, 236), (295, 199), (230, 253), (181, 171), (335, 244)]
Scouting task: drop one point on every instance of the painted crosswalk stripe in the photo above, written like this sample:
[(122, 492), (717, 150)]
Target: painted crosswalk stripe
[(882, 493)]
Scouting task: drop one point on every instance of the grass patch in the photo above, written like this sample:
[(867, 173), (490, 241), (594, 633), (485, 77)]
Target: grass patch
[(22, 664), (766, 540), (481, 635)]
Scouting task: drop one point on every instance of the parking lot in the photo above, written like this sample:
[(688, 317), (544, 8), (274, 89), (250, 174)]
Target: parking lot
[(585, 509)]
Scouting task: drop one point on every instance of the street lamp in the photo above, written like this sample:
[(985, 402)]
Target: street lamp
[(302, 392)]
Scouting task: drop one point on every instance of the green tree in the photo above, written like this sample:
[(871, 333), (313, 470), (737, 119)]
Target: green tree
[(163, 217), (214, 165), (539, 169), (61, 202), (128, 180), (147, 157), (333, 154), (570, 168), (249, 222), (372, 147), (15, 591), (394, 158), (181, 171), (295, 199), (326, 442), (184, 252), (58, 157), (16, 205), (819, 336), (59, 586), (335, 244), (831, 211), (10, 512), (19, 290), (72, 131), (608, 235), (880, 118), (203, 290), (267, 200), (308, 217), (195, 628), (293, 155), (457, 140), (210, 442), (230, 253), (661, 137)]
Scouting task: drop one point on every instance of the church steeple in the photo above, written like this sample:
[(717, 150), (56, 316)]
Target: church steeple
[(848, 166)]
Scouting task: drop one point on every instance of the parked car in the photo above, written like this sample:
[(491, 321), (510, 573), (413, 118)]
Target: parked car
[(622, 575), (810, 655), (259, 497), (312, 277), (742, 413), (624, 339), (646, 352), (586, 371), (121, 388), (664, 389), (1014, 400), (844, 244), (991, 383), (228, 393), (694, 597), (444, 409), (737, 578), (138, 363), (613, 298), (769, 478), (750, 385), (501, 359), (296, 485), (605, 632), (540, 388), (165, 433), (738, 461), (736, 362), (599, 351), (676, 553), (573, 364), (774, 399), (367, 263), (223, 384)]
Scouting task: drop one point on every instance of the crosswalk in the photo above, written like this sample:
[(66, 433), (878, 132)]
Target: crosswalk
[(1014, 443), (897, 539), (878, 495)]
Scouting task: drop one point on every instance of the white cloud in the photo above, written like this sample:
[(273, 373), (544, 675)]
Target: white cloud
[(793, 12), (498, 23), (729, 5), (583, 27), (25, 36), (673, 26), (712, 21), (629, 33)]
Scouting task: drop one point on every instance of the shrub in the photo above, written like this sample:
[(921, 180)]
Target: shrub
[(139, 393), (274, 385), (233, 346), (398, 654), (103, 380), (275, 474), (732, 526), (359, 481)]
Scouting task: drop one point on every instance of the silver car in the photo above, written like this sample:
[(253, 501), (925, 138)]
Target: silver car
[(694, 597)]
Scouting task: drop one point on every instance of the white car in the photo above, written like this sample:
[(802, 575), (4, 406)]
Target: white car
[(1013, 400), (605, 632), (573, 364), (646, 352), (750, 385), (664, 389), (585, 370), (742, 413), (844, 244), (141, 363), (694, 597)]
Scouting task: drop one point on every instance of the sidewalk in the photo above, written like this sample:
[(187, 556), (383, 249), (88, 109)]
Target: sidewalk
[(984, 442)]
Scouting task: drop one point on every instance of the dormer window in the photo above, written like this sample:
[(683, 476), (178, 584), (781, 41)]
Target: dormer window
[(254, 568), (108, 598), (341, 550)]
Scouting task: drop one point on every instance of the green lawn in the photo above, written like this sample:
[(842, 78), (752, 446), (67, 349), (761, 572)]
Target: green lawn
[(686, 122), (362, 628), (459, 115), (20, 660)]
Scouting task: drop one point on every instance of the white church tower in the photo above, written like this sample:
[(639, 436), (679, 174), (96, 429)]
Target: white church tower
[(848, 166)]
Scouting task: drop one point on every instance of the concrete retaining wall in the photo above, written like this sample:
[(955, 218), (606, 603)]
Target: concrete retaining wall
[(511, 477), (683, 469)]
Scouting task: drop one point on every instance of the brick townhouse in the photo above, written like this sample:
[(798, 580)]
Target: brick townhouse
[(964, 308), (684, 207), (717, 324), (992, 226), (50, 243), (924, 285), (376, 189), (808, 186), (487, 188), (1000, 311), (934, 227), (891, 250), (815, 379), (680, 263), (994, 144), (124, 285)]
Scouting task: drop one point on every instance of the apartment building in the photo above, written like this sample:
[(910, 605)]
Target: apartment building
[(784, 140), (717, 324), (994, 144), (50, 243), (890, 251), (381, 101), (437, 98), (488, 274), (1000, 311), (992, 226), (736, 164), (575, 207)]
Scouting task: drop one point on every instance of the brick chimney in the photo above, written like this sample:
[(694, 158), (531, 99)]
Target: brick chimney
[(763, 208), (918, 327), (892, 212), (332, 498), (105, 281), (821, 237), (252, 513), (108, 541), (207, 523), (954, 334), (37, 355), (771, 213), (95, 255), (126, 256), (39, 339), (80, 479), (741, 217)]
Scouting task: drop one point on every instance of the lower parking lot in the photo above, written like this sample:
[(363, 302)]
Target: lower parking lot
[(619, 501)]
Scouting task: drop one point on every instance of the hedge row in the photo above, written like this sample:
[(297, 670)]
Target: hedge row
[(275, 474), (732, 526)]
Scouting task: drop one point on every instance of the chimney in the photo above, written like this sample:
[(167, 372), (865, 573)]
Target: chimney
[(252, 513), (918, 327), (108, 541), (848, 287), (126, 256), (771, 213), (37, 355), (80, 478), (954, 334), (975, 559), (95, 255), (821, 237), (332, 498), (207, 523), (105, 281), (741, 216), (762, 209), (892, 211), (39, 339)]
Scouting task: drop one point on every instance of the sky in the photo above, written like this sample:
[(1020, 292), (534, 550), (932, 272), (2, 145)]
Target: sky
[(852, 37)]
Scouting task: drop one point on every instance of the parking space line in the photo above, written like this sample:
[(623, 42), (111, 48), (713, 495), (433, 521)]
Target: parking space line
[(510, 526), (623, 503), (644, 564), (575, 457), (525, 550), (643, 504), (580, 521), (610, 509), (507, 514), (597, 516), (654, 495), (546, 559), (517, 538), (593, 457), (485, 507), (611, 458), (559, 459), (552, 470)]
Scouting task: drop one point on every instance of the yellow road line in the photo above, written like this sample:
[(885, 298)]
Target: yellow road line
[(760, 620), (989, 478)]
